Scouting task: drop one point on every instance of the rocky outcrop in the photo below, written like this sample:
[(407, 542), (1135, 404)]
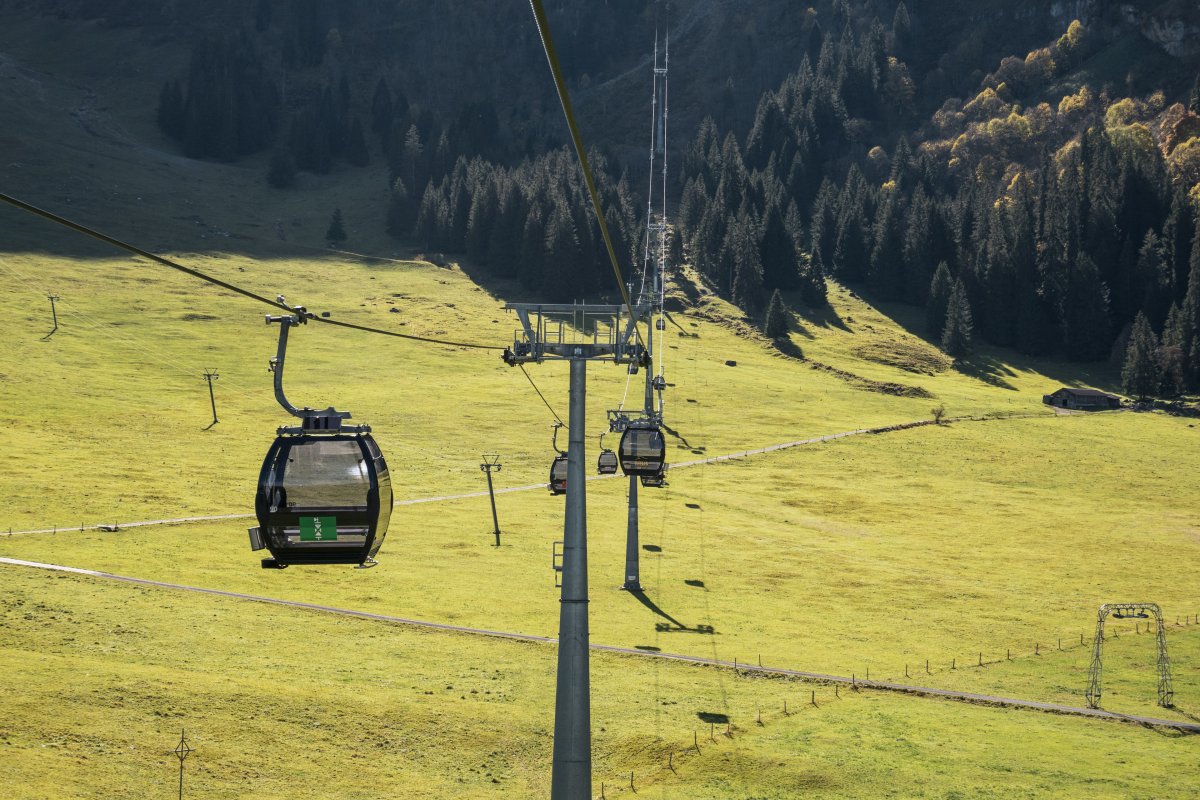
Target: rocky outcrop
[(1066, 10), (1177, 36), (1173, 27)]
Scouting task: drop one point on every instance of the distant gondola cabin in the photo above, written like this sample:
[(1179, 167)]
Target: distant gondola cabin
[(1082, 399)]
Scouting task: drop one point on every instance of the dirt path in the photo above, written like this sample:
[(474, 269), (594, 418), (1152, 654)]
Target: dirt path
[(855, 684), (113, 526)]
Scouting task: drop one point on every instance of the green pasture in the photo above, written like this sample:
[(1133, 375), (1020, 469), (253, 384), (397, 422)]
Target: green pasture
[(278, 703), (873, 552)]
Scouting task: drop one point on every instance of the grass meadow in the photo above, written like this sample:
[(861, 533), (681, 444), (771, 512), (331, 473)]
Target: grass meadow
[(974, 540)]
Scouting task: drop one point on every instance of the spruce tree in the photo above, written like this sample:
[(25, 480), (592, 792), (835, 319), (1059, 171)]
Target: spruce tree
[(956, 337), (1189, 324), (336, 233), (939, 300), (533, 249), (1171, 351), (504, 246), (1087, 329), (918, 247), (777, 324), (675, 251), (1140, 376), (484, 207), (400, 211), (813, 290), (901, 32), (887, 261), (778, 252), (562, 256), (425, 228), (1154, 278), (747, 289)]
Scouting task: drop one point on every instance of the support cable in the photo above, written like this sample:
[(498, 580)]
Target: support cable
[(560, 85), (529, 378), (166, 262)]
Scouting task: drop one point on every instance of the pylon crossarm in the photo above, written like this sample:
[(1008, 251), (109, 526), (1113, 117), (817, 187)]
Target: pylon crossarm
[(575, 331)]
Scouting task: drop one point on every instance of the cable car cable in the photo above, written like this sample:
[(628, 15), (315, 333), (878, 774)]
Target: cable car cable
[(564, 97), (166, 262), (121, 245), (106, 330), (544, 400)]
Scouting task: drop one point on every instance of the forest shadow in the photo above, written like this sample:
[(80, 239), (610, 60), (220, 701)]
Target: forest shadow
[(985, 368), (993, 364), (824, 317)]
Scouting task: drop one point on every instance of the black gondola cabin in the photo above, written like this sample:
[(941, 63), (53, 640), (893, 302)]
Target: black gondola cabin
[(558, 475), (606, 464), (643, 450), (322, 499)]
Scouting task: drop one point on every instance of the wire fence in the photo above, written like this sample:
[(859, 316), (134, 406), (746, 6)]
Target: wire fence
[(694, 744)]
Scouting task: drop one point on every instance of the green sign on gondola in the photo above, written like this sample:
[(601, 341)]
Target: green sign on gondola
[(318, 529)]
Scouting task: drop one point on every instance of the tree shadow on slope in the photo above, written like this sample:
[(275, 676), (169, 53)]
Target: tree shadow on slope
[(995, 365)]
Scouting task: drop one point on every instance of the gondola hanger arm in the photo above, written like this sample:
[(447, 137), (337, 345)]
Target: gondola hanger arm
[(313, 419)]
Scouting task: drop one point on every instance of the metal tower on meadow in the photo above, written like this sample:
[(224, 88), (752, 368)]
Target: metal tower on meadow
[(652, 294)]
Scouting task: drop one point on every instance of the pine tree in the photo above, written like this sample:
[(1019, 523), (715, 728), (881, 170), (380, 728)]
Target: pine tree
[(778, 252), (504, 246), (813, 290), (742, 241), (956, 337), (484, 207), (1189, 324), (410, 161), (533, 249), (336, 234), (917, 238), (777, 323), (1153, 276), (1087, 329), (1194, 97), (400, 211), (1140, 376), (939, 300), (887, 260), (675, 251), (1171, 359), (1177, 239), (901, 33), (426, 227), (562, 257)]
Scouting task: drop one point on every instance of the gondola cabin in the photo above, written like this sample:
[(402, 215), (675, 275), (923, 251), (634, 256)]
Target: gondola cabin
[(607, 463), (654, 481), (323, 498), (558, 475), (643, 450)]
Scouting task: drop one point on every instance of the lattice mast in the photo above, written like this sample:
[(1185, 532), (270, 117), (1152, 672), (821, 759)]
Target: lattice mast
[(1166, 692), (653, 288)]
